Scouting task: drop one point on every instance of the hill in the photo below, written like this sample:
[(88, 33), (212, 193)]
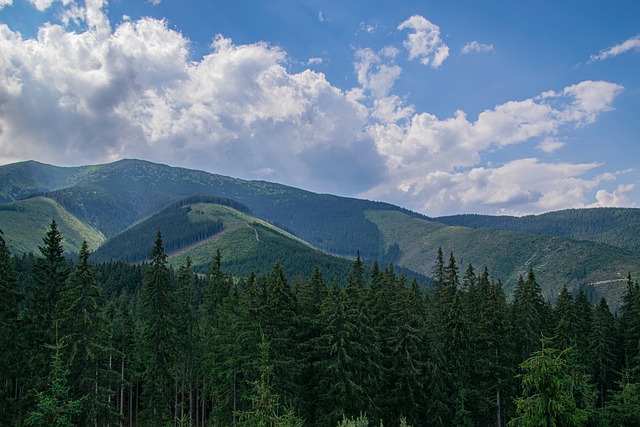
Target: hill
[(197, 227), (612, 226), (129, 200), (598, 268), (25, 223), (112, 197)]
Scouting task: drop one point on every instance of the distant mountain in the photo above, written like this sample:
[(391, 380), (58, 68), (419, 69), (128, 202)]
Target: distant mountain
[(613, 226), (119, 207)]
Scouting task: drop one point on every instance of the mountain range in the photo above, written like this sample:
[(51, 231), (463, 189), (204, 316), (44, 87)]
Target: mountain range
[(118, 207)]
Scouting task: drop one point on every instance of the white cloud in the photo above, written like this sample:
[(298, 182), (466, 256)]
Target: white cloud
[(433, 163), (103, 93), (323, 18), (631, 44), (315, 61), (366, 28), (424, 43), (41, 5), (100, 95), (617, 198), (4, 3), (374, 74), (478, 47), (155, 2), (549, 145)]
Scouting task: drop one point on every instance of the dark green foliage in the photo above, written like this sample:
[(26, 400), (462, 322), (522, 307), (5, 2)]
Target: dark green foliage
[(603, 357), (169, 347), (55, 406), (83, 326), (554, 394), (613, 226), (10, 332), (50, 273), (158, 345), (177, 230)]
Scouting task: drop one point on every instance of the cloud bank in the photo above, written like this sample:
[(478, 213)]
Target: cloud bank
[(102, 94)]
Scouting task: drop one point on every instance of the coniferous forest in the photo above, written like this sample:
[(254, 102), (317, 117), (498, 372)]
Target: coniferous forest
[(114, 344)]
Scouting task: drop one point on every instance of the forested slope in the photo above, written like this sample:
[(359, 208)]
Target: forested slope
[(613, 226), (164, 346)]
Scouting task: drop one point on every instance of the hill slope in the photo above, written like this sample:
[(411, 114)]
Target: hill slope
[(198, 227), (25, 224), (111, 197), (121, 201), (557, 262), (613, 226)]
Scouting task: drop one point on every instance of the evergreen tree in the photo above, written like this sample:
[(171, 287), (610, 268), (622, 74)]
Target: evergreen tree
[(603, 340), (565, 329), (10, 334), (83, 325), (158, 344), (623, 409), (55, 406), (339, 392), (265, 409), (553, 392), (186, 341), (50, 272), (630, 324), (528, 314)]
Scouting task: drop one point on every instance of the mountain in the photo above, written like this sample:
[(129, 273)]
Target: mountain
[(126, 202), (196, 227), (612, 226)]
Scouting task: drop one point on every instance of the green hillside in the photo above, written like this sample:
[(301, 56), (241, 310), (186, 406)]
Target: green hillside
[(25, 223), (197, 229), (556, 261), (122, 201), (114, 196), (613, 226)]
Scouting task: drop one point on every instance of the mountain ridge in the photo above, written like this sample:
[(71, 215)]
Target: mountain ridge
[(113, 197)]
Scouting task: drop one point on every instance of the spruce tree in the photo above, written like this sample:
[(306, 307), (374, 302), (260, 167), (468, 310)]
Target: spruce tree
[(50, 273), (602, 350), (157, 337), (10, 334), (82, 324)]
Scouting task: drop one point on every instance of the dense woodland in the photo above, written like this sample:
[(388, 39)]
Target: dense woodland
[(114, 344)]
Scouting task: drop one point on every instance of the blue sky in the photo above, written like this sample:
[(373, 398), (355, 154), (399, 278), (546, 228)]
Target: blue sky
[(496, 107)]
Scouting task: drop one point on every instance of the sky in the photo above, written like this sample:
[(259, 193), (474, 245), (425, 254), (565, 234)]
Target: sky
[(496, 107)]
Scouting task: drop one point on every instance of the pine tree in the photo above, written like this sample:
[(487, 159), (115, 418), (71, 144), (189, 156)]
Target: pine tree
[(55, 406), (339, 392), (265, 407), (565, 329), (554, 393), (630, 324), (528, 314), (50, 273), (10, 333), (603, 340), (83, 325), (157, 337)]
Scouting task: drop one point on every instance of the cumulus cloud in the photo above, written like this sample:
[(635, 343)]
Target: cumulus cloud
[(477, 47), (435, 162), (424, 42), (617, 198), (99, 94), (4, 3), (631, 44)]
